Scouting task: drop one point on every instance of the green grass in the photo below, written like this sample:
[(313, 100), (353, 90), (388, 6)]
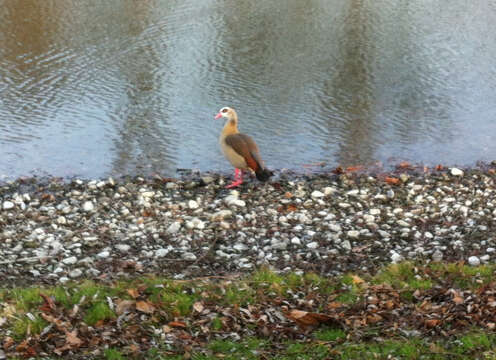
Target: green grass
[(113, 354), (174, 300), (24, 327), (98, 311)]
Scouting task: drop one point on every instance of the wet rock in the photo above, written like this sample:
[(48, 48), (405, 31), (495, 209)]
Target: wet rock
[(456, 172)]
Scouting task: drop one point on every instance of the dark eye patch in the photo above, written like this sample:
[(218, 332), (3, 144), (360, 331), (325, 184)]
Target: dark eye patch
[(224, 110)]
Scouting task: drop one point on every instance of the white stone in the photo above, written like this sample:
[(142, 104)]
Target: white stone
[(239, 203), (240, 247), (189, 256), (70, 260), (192, 204), (174, 227), (485, 258), (335, 227), (296, 241), (317, 194), (437, 256), (7, 205), (395, 257), (474, 261), (313, 245), (88, 206), (329, 190), (375, 211), (354, 234), (161, 252), (221, 215), (103, 255), (490, 250), (64, 279), (148, 194), (456, 172), (346, 245), (75, 273), (61, 220), (123, 247)]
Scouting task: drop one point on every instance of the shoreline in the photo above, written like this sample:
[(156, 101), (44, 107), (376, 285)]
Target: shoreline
[(54, 230)]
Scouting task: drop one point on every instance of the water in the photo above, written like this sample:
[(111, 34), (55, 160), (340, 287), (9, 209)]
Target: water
[(97, 88)]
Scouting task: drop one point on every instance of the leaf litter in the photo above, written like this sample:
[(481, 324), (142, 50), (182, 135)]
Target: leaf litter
[(287, 308)]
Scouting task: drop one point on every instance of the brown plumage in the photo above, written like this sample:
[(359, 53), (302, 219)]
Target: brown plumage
[(240, 149)]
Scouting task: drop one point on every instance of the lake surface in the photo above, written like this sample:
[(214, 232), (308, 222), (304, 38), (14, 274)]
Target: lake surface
[(98, 88)]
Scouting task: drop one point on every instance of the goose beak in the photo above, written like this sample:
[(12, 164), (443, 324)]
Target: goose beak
[(218, 116)]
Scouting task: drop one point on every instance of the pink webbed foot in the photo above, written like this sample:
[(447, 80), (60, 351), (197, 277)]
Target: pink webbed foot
[(234, 184), (238, 179)]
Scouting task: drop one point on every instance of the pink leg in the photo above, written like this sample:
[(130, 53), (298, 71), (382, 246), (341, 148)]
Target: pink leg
[(238, 179)]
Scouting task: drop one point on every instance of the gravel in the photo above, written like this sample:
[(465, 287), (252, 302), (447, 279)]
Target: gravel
[(53, 231)]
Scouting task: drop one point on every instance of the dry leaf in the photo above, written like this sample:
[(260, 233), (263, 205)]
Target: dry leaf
[(458, 300), (72, 339), (48, 304), (432, 323), (123, 306), (392, 180), (198, 307), (357, 280), (305, 318), (404, 165), (8, 342), (178, 324), (145, 306), (133, 293)]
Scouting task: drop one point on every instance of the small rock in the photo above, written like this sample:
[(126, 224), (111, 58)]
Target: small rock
[(88, 206), (329, 190), (7, 205), (354, 234), (61, 220), (123, 247), (396, 258), (296, 241), (192, 204), (346, 245), (174, 227), (437, 256), (70, 260), (75, 273), (317, 194), (239, 203), (189, 256), (474, 261), (240, 247), (161, 252), (207, 179), (221, 215), (64, 279), (103, 255), (456, 172), (313, 245)]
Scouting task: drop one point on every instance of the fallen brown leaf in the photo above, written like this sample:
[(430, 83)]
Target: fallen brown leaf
[(145, 306), (305, 318), (198, 307), (432, 323), (392, 180), (123, 306), (178, 324), (133, 293), (48, 304)]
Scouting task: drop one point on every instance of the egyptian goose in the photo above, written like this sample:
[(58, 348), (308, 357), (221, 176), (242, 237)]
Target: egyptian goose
[(240, 149)]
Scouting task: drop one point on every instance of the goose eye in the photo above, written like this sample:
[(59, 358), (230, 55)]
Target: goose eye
[(224, 110)]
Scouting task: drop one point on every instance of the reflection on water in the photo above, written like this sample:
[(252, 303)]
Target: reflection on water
[(96, 88)]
